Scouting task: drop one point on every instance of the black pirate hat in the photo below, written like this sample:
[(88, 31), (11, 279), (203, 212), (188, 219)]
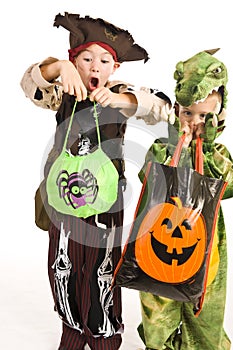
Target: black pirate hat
[(85, 30)]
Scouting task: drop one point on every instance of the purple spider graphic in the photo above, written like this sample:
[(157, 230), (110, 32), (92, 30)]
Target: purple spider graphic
[(77, 189)]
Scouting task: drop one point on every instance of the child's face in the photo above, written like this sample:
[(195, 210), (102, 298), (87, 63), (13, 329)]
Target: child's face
[(95, 64), (196, 113)]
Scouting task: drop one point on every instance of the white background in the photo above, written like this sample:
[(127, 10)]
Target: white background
[(170, 31)]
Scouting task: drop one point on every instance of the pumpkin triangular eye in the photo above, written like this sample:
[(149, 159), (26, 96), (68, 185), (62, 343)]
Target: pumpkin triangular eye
[(186, 224), (167, 222)]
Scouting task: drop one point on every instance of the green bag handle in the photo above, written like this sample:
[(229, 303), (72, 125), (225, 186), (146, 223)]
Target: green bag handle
[(71, 121)]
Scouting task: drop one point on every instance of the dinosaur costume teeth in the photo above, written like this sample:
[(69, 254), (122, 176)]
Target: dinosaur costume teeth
[(198, 77)]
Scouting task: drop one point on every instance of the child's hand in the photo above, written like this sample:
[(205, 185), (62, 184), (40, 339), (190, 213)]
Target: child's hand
[(103, 96), (192, 131), (106, 97), (71, 80), (210, 128), (188, 129)]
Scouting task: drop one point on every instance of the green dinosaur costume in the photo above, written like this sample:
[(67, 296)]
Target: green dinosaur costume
[(169, 324), (198, 76)]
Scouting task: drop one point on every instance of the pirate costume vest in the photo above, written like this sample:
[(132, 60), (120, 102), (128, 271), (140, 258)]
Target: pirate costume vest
[(99, 237)]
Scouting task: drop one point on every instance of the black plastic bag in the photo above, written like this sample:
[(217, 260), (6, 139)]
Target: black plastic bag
[(168, 249)]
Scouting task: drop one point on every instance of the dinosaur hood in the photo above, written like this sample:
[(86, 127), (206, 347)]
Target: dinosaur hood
[(198, 76)]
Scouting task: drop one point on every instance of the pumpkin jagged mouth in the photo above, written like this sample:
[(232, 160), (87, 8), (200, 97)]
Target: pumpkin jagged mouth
[(160, 250)]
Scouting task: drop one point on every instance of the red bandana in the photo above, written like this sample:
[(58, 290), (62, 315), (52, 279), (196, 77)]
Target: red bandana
[(73, 52)]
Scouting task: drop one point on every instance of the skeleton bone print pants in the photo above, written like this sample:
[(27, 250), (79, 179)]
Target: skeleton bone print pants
[(82, 259)]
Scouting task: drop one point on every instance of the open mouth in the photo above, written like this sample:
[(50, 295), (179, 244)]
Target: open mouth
[(93, 84)]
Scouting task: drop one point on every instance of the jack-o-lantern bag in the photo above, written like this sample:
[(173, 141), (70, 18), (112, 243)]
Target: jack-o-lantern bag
[(168, 249)]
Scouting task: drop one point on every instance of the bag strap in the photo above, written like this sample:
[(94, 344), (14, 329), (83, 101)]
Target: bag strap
[(176, 156), (199, 157), (95, 115), (97, 125), (198, 154)]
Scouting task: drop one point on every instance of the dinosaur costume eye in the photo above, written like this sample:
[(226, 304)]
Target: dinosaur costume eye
[(179, 72), (217, 70)]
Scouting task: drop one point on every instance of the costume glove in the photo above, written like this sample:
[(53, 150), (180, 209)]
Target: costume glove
[(211, 128)]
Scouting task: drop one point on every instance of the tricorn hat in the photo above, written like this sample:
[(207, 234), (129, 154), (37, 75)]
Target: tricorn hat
[(85, 30)]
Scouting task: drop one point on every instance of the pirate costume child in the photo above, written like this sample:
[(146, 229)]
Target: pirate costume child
[(83, 252)]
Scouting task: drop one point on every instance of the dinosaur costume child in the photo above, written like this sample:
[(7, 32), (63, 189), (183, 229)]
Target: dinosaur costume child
[(166, 323)]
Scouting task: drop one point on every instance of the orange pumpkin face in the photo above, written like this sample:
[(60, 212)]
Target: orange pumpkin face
[(171, 242)]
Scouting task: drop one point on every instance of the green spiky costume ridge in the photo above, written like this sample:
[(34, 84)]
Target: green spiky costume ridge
[(169, 324)]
